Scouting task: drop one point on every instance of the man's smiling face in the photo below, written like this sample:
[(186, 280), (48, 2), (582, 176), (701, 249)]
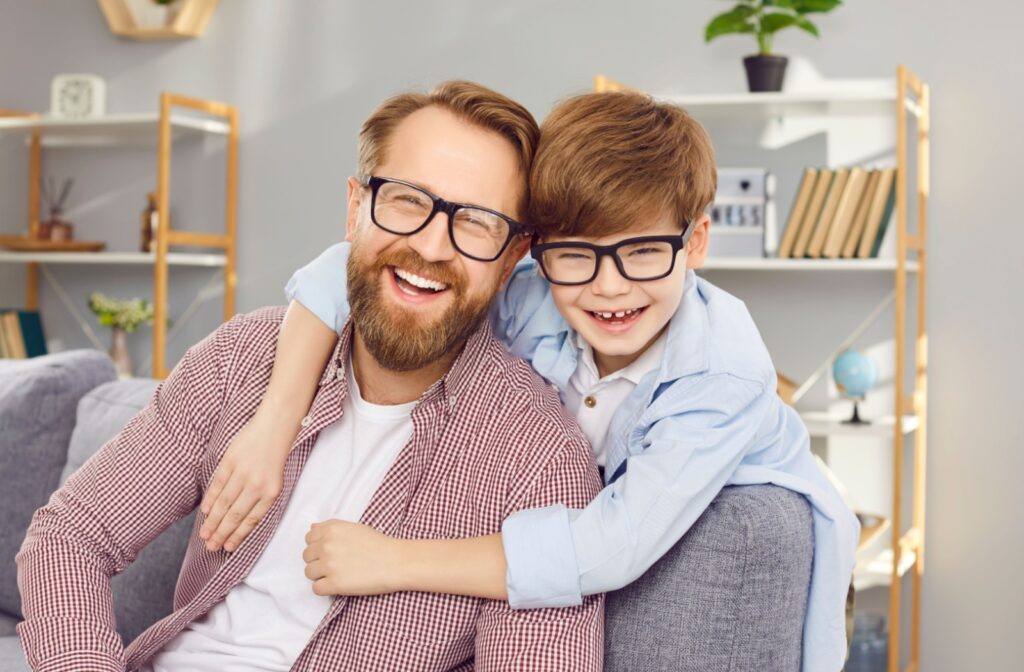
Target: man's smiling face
[(415, 298)]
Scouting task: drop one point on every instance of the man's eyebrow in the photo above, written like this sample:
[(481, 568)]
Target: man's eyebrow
[(433, 191)]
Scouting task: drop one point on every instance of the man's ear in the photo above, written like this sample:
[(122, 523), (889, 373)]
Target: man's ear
[(517, 249), (697, 247), (355, 200)]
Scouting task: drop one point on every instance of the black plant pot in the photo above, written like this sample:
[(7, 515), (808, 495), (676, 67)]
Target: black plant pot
[(765, 73)]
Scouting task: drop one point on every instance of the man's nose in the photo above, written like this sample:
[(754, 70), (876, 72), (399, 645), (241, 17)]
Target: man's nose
[(609, 282), (433, 241)]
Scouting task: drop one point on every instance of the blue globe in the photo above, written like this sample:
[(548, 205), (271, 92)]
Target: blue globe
[(855, 374)]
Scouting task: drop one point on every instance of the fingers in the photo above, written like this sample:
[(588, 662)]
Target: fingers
[(234, 517), (322, 587), (315, 534), (228, 494), (316, 570), (311, 553), (248, 524), (220, 478)]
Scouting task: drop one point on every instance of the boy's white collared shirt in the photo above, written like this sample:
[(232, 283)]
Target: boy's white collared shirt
[(592, 400)]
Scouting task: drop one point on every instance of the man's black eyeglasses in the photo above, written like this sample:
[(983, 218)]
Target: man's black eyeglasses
[(577, 262), (403, 209)]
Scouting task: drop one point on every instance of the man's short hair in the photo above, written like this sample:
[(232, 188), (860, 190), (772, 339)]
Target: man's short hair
[(470, 102), (609, 160)]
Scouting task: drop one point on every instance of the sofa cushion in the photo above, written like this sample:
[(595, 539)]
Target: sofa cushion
[(8, 625), (12, 656), (101, 414), (37, 413), (144, 592), (730, 596)]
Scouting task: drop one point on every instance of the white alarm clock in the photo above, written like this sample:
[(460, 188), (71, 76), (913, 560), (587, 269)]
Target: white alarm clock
[(77, 96)]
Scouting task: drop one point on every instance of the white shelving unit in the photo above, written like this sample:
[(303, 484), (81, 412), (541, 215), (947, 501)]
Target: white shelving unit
[(160, 130), (110, 258), (820, 265), (111, 130), (824, 424), (851, 123)]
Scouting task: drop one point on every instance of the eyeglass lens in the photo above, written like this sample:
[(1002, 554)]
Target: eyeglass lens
[(402, 208)]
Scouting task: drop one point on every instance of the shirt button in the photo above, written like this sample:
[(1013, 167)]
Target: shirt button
[(306, 421), (590, 401), (341, 372)]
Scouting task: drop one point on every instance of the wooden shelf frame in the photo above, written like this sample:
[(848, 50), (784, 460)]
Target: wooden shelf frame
[(166, 237), (911, 100), (191, 20)]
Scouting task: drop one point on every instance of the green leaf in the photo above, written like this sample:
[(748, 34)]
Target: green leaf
[(733, 21), (812, 6), (772, 23), (804, 24)]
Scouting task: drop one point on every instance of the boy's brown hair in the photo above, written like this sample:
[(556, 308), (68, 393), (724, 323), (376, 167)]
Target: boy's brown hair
[(607, 161), (469, 101)]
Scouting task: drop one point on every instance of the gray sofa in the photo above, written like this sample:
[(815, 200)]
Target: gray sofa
[(730, 596)]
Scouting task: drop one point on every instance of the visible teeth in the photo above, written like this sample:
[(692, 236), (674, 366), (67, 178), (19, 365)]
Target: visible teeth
[(417, 281), (608, 315)]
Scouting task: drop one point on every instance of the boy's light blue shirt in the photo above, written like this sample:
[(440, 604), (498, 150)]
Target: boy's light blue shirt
[(708, 417)]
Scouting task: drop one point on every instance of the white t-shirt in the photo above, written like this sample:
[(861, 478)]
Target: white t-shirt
[(593, 400), (266, 621)]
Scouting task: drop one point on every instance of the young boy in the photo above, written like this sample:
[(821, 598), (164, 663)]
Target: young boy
[(666, 374)]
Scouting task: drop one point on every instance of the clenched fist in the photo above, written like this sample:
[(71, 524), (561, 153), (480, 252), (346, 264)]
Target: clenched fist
[(344, 558)]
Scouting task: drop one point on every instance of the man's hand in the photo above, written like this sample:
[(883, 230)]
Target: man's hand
[(247, 481), (344, 558)]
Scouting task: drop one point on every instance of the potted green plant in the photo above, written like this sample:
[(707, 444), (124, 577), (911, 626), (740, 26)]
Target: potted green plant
[(762, 19), (123, 317)]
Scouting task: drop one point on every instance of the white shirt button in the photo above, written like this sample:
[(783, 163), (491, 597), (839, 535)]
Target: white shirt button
[(306, 421)]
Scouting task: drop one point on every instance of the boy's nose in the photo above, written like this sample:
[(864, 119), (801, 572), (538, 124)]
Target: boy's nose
[(433, 242), (609, 282)]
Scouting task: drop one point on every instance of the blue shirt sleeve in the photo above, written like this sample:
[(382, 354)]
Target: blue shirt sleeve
[(322, 286), (556, 555)]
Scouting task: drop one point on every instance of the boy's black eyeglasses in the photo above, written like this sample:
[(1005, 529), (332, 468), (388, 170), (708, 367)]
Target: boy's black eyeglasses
[(403, 209), (577, 263)]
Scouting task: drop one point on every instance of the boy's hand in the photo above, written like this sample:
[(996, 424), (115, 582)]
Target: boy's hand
[(247, 481), (344, 558)]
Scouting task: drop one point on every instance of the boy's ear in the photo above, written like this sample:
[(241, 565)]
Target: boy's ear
[(355, 199), (517, 249), (697, 247)]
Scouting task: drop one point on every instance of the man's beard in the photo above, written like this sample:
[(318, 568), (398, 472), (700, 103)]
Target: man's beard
[(402, 340)]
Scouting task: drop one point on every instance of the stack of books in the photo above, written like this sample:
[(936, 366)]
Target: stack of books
[(840, 213), (21, 334)]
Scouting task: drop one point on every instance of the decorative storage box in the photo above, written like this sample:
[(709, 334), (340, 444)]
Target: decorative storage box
[(743, 220)]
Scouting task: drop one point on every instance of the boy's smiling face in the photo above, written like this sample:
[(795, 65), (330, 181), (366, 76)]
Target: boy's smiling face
[(648, 305)]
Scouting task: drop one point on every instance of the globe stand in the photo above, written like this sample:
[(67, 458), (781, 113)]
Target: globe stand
[(855, 419)]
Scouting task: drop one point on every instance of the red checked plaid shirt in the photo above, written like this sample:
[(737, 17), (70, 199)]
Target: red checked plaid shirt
[(488, 439)]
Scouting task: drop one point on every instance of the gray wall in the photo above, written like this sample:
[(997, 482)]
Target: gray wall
[(306, 73)]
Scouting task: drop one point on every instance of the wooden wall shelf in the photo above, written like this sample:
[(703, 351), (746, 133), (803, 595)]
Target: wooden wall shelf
[(188, 18)]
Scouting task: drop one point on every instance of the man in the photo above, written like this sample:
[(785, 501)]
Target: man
[(423, 426)]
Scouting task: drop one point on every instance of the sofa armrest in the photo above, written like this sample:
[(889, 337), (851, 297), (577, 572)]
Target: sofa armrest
[(38, 397), (730, 596)]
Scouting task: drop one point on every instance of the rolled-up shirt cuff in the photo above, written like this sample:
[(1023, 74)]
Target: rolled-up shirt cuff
[(542, 568)]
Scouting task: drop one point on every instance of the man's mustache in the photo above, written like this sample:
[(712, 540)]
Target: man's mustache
[(408, 260)]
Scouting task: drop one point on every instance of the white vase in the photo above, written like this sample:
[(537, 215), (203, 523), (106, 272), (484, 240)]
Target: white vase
[(148, 14), (119, 353)]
